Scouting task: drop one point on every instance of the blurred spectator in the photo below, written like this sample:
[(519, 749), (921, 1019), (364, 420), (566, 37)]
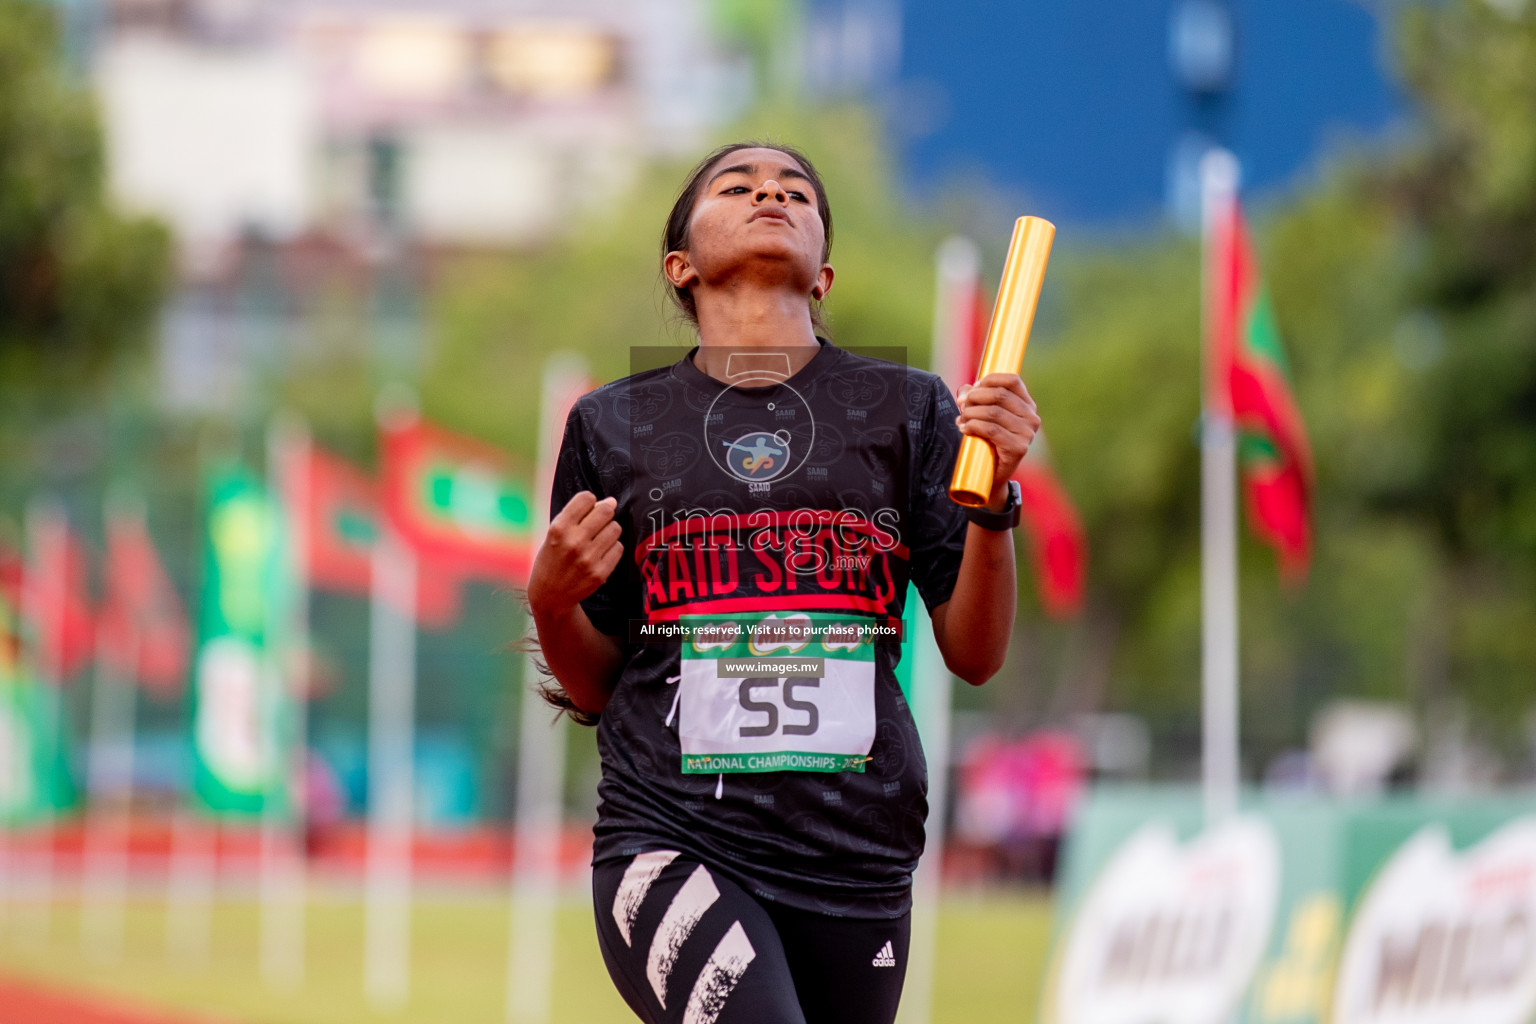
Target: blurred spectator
[(1358, 747), (1015, 799), (324, 802)]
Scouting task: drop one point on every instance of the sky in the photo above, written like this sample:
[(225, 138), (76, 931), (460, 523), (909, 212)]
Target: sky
[(1074, 105)]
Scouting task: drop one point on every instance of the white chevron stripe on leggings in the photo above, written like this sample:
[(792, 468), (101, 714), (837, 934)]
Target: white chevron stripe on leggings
[(697, 895), (719, 977), (637, 880)]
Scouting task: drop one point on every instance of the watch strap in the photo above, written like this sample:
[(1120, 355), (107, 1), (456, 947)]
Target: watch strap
[(1004, 520)]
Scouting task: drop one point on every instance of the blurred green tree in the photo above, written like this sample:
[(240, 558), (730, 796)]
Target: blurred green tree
[(1405, 283), (1466, 196), (80, 282)]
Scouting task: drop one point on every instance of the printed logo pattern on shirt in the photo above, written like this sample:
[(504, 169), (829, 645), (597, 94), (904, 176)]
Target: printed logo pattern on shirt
[(859, 509)]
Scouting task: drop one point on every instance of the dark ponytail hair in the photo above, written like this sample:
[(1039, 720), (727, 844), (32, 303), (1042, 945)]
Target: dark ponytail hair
[(549, 687), (675, 236)]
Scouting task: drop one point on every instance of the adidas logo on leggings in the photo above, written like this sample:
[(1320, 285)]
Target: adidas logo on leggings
[(886, 957)]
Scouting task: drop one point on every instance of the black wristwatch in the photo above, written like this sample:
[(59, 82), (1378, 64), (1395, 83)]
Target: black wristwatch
[(1007, 519)]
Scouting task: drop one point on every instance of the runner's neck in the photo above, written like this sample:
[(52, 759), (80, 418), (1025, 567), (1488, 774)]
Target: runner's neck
[(725, 362), (739, 319)]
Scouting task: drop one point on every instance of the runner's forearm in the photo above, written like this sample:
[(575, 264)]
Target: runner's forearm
[(585, 660), (972, 628)]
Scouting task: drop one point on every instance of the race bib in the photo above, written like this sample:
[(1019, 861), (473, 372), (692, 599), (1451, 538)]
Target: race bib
[(779, 691)]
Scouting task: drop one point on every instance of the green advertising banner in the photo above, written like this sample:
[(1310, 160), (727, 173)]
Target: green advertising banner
[(909, 627), (35, 780), (1300, 910), (241, 721)]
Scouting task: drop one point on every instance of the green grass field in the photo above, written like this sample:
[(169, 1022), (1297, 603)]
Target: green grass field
[(992, 947)]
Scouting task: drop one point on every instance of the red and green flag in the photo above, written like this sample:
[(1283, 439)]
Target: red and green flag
[(335, 508), (1058, 544), (458, 502), (1249, 380), (35, 782), (53, 588), (12, 573), (339, 520), (143, 632)]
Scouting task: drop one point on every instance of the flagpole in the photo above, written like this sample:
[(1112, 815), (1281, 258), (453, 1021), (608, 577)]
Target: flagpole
[(113, 713), (391, 776), (7, 888), (107, 833), (1218, 517), (192, 875), (192, 878), (536, 855), (391, 771), (282, 820), (10, 794), (45, 526), (957, 267), (540, 756), (932, 698)]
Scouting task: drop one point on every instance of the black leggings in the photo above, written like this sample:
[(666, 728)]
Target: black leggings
[(686, 945)]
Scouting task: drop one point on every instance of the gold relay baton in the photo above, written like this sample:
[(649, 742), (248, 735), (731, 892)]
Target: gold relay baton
[(1007, 336)]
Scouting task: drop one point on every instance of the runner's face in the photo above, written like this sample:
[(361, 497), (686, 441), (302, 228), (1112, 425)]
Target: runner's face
[(757, 211)]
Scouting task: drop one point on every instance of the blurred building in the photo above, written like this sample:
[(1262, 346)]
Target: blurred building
[(480, 122), (306, 152)]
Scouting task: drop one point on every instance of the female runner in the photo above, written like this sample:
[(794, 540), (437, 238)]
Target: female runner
[(730, 537)]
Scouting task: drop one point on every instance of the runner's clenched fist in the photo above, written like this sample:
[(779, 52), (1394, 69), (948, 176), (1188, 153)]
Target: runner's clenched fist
[(579, 551)]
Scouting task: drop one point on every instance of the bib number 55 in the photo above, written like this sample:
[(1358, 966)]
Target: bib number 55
[(758, 724), (770, 707), (818, 716)]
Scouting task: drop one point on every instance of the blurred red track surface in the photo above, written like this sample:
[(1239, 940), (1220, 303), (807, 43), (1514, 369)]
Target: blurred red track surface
[(30, 1003), (484, 852)]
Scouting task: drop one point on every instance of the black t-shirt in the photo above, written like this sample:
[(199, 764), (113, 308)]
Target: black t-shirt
[(800, 504)]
